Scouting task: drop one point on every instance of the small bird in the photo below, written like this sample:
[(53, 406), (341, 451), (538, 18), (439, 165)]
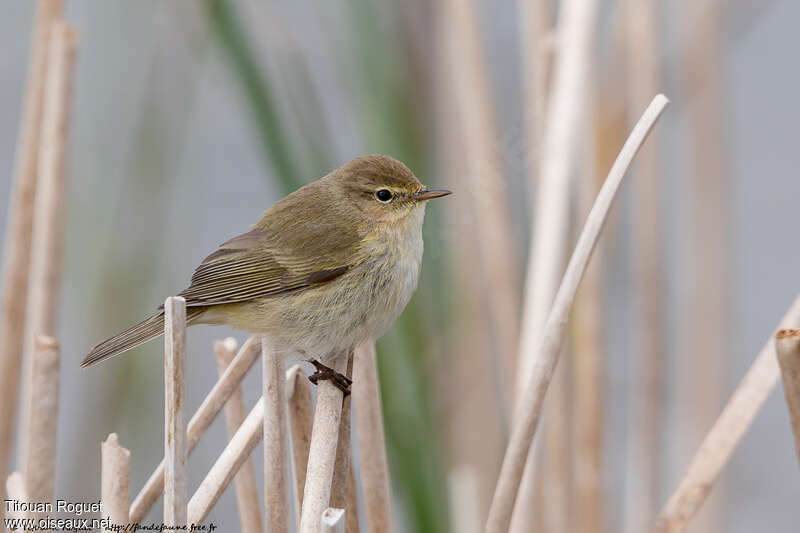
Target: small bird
[(326, 268)]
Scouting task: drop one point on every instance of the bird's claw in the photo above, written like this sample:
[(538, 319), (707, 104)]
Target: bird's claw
[(323, 373)]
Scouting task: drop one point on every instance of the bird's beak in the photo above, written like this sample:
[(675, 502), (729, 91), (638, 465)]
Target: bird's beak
[(430, 194)]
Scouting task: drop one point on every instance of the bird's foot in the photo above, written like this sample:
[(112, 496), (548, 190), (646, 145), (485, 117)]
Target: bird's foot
[(323, 373)]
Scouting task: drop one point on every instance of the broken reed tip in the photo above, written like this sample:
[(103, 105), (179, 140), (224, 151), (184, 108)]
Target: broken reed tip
[(292, 375), (786, 333)]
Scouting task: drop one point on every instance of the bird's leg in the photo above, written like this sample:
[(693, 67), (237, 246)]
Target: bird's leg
[(323, 372)]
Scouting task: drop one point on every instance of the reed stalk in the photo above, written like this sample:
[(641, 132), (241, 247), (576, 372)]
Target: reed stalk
[(371, 440), (39, 468), (552, 339), (300, 416), (787, 345), (227, 465), (485, 181), (199, 423), (341, 472), (16, 252), (352, 525), (115, 475), (726, 433), (550, 224), (589, 363), (175, 448), (648, 366), (47, 239), (276, 440), (245, 482), (706, 318), (322, 451), (559, 144)]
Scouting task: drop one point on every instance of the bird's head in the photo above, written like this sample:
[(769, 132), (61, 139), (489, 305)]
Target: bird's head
[(383, 189)]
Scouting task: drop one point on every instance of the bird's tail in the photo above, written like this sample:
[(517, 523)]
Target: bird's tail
[(147, 329)]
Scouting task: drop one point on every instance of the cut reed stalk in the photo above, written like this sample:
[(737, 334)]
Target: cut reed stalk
[(726, 433), (115, 476), (333, 521), (552, 339), (322, 451), (39, 468), (787, 345), (16, 254), (245, 482), (301, 413), (276, 440), (371, 440), (341, 472), (202, 419), (48, 227), (175, 448), (227, 464)]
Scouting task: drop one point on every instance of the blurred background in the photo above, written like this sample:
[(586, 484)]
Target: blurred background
[(190, 118)]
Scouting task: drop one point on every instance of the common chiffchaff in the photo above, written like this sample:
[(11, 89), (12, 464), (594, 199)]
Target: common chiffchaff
[(328, 267)]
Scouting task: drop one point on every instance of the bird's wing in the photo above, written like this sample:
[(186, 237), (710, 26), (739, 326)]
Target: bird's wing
[(274, 258)]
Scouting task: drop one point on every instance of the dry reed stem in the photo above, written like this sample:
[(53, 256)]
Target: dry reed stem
[(533, 399), (15, 488), (646, 407), (276, 440), (341, 471), (550, 231), (559, 144), (322, 451), (352, 525), (536, 26), (484, 174), (175, 448), (16, 253), (39, 468), (47, 238), (199, 423), (332, 521), (787, 345), (701, 373), (301, 413), (371, 440), (556, 467), (723, 437), (245, 482), (589, 364), (535, 20), (227, 464), (115, 475)]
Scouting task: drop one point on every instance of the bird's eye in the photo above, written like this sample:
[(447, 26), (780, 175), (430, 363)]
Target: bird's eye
[(383, 195)]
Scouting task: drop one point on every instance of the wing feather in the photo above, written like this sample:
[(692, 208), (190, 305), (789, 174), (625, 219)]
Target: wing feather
[(273, 259)]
